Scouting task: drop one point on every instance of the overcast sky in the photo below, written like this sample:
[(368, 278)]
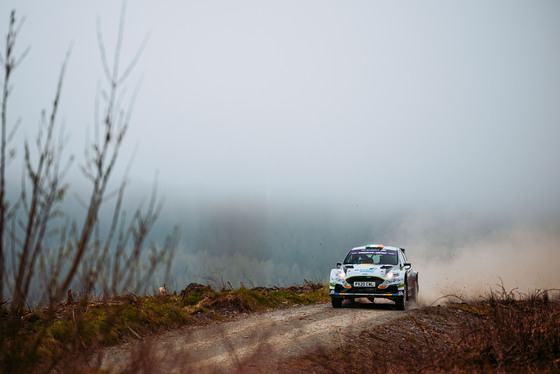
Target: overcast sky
[(441, 103)]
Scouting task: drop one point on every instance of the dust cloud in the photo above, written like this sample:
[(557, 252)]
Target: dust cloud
[(522, 258)]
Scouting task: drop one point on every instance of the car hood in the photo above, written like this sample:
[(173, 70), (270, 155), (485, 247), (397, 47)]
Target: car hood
[(367, 270)]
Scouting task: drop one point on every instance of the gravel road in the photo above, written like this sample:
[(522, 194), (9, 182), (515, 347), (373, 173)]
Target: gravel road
[(250, 343)]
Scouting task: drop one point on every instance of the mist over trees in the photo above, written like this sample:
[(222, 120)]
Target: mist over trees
[(281, 242), (271, 244)]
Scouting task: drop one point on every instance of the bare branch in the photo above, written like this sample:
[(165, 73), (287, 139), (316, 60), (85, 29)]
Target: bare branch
[(102, 52), (135, 59), (10, 62)]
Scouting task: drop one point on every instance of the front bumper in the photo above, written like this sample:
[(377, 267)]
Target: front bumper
[(365, 294), (384, 289)]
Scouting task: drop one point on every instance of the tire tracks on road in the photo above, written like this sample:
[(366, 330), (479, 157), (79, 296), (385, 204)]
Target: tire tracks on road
[(252, 342)]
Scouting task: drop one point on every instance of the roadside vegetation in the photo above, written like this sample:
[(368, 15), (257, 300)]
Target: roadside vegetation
[(504, 332), (72, 330)]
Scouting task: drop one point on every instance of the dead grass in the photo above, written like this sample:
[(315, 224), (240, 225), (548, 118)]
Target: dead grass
[(70, 330), (503, 332)]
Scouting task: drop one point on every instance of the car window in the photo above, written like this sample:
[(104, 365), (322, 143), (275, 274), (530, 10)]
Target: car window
[(402, 259), (372, 257)]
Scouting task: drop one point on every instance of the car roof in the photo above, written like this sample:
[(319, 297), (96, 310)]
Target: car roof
[(376, 247)]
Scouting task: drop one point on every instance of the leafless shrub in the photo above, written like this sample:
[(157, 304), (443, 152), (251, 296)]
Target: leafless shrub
[(42, 244), (520, 332)]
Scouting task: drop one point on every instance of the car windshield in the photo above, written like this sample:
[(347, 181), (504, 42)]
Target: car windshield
[(372, 257)]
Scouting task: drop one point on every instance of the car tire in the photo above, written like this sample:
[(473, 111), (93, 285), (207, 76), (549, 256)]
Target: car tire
[(336, 302), (401, 301)]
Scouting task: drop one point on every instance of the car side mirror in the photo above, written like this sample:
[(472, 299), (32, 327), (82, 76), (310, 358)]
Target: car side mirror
[(338, 265), (407, 265)]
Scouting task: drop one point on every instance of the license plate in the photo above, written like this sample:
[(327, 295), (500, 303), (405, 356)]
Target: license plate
[(364, 284)]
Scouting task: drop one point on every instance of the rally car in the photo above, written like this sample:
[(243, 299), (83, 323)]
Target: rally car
[(374, 271)]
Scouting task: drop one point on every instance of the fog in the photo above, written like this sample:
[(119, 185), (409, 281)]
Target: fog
[(284, 133)]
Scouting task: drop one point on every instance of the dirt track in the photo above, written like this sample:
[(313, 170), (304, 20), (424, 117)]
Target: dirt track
[(251, 343)]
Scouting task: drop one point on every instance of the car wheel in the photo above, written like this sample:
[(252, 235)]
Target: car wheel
[(336, 302), (401, 301)]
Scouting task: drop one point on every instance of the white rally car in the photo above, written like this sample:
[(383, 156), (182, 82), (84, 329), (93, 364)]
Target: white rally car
[(374, 271)]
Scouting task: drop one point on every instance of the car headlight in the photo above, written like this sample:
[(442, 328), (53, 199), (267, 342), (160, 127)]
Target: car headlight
[(341, 274), (393, 275)]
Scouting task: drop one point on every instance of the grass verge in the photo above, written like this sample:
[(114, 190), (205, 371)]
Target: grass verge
[(55, 336), (499, 333)]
